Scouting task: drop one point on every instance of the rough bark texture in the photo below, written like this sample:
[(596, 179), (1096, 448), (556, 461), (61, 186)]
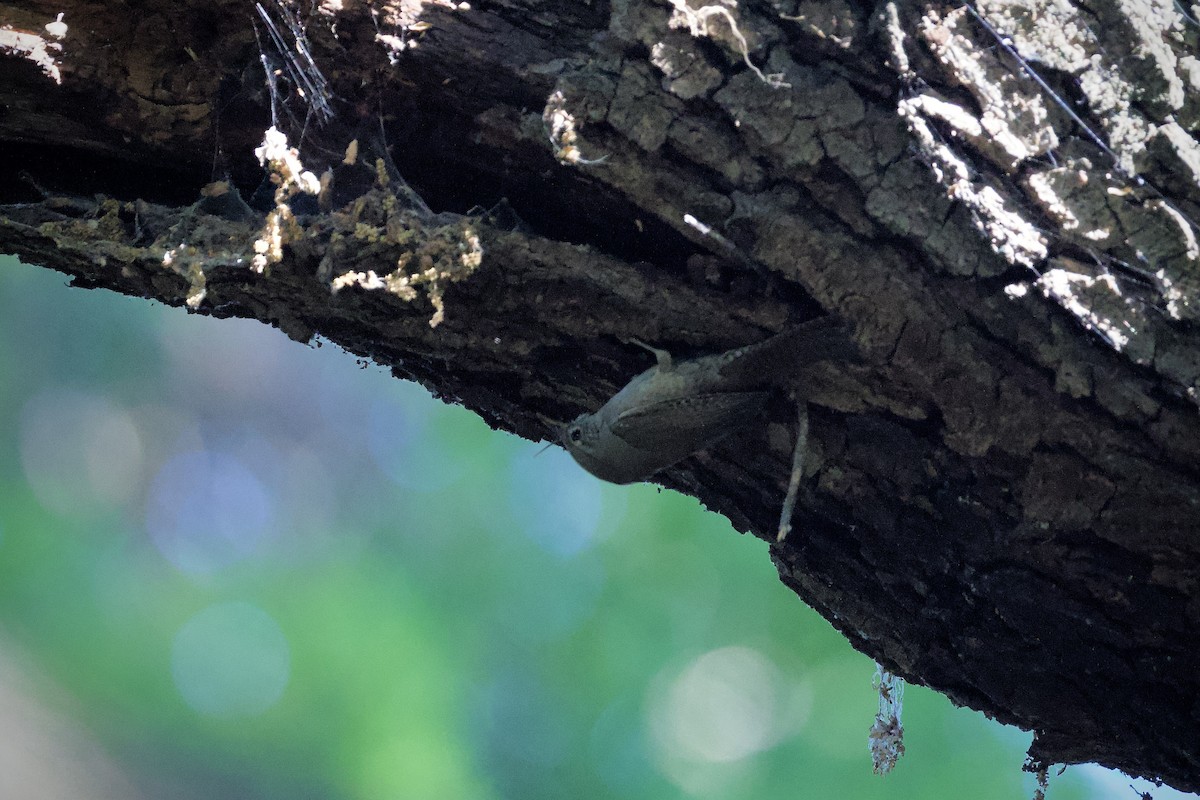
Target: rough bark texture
[(1000, 501)]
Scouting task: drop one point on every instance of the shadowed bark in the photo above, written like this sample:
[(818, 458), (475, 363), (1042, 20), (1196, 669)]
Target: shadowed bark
[(1000, 500)]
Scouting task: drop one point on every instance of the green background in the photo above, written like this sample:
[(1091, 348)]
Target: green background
[(235, 566)]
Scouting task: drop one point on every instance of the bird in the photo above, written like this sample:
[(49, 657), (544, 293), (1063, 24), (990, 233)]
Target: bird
[(676, 408)]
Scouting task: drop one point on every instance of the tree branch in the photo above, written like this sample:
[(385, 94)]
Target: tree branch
[(1004, 502)]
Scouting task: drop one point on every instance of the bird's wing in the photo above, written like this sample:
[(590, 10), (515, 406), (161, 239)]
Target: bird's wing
[(687, 424)]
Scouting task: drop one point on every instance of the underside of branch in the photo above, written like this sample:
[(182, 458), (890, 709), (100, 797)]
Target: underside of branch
[(999, 500)]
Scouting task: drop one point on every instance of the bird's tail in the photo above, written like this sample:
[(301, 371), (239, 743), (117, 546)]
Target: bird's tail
[(776, 360)]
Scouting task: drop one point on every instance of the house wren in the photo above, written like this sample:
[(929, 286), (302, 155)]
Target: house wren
[(674, 408)]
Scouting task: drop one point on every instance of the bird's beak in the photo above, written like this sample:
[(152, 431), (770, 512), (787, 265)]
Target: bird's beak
[(560, 433)]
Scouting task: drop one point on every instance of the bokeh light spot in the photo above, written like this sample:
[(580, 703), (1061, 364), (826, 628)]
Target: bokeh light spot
[(80, 452), (206, 511), (720, 708), (709, 718), (230, 660)]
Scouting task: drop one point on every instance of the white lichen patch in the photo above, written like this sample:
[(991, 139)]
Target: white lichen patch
[(561, 129), (1012, 236), (268, 247), (1111, 98), (1097, 302), (441, 256), (399, 24), (1078, 200), (688, 74), (1049, 32), (289, 176), (34, 47), (188, 261), (188, 243), (283, 163), (1013, 125), (1175, 297), (1057, 35), (57, 29), (1086, 296), (1046, 193), (1011, 129), (1182, 150)]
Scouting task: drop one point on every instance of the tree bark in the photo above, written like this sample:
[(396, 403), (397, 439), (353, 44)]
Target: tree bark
[(1000, 499)]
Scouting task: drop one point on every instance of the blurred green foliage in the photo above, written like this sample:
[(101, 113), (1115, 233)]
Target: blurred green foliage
[(255, 569)]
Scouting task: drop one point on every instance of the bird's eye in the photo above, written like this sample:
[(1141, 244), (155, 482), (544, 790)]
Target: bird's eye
[(575, 434)]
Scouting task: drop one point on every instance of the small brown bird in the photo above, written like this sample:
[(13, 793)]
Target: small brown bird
[(674, 408)]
